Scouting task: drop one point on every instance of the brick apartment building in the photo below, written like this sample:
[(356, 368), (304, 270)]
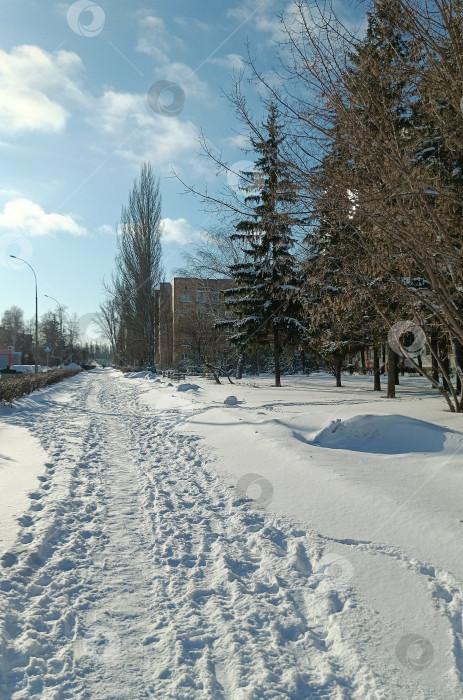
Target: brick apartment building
[(185, 313)]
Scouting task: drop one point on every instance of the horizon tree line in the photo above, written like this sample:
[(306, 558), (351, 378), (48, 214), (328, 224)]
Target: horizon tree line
[(61, 332)]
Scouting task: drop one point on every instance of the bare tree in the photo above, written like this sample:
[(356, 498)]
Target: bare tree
[(13, 325), (108, 320), (211, 256)]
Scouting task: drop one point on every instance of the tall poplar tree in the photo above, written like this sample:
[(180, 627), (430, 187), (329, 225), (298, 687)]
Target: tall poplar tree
[(138, 268)]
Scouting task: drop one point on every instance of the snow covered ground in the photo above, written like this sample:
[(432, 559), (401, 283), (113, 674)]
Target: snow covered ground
[(303, 542)]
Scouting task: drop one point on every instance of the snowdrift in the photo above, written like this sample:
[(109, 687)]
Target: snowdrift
[(143, 374), (391, 434), (188, 387)]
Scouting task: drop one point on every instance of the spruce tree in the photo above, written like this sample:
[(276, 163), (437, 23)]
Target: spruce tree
[(266, 303), (369, 135)]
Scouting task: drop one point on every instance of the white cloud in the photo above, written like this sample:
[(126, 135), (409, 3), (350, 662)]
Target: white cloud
[(106, 230), (157, 42), (154, 39), (193, 23), (260, 12), (239, 141), (142, 134), (25, 216), (116, 110), (39, 91), (184, 76), (178, 231), (232, 61), (36, 89)]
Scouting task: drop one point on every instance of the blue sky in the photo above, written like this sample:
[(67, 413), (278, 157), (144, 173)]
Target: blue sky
[(75, 125)]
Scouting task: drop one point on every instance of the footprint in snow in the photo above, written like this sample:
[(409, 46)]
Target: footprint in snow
[(8, 560)]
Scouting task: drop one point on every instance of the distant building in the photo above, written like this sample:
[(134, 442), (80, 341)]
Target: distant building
[(9, 357), (186, 310)]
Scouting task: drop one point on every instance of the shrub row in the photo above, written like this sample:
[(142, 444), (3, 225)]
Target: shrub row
[(12, 387)]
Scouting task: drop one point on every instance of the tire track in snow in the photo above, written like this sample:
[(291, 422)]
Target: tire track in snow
[(147, 577)]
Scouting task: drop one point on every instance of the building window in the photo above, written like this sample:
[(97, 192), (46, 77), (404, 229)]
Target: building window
[(214, 298), (200, 296), (185, 297)]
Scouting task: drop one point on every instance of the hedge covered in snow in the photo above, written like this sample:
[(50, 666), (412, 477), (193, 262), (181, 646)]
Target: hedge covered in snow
[(14, 386)]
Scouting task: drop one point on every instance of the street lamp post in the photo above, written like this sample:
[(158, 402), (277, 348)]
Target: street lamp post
[(36, 314), (60, 326)]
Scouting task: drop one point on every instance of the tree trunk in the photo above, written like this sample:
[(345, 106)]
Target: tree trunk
[(303, 360), (276, 356), (396, 370), (214, 372), (363, 361), (458, 349), (338, 368), (391, 372), (434, 349), (445, 359), (376, 370), (239, 368)]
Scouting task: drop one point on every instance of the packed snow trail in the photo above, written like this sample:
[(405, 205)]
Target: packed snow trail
[(140, 574)]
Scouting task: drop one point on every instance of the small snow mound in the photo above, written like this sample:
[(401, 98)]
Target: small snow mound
[(144, 374), (72, 365), (231, 401), (393, 434), (187, 387)]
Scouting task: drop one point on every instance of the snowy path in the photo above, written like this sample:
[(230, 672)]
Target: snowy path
[(140, 574)]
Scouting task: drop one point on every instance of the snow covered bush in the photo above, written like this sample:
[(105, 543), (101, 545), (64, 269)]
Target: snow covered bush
[(12, 387)]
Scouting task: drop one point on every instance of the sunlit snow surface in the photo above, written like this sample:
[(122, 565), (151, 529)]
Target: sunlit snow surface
[(303, 542)]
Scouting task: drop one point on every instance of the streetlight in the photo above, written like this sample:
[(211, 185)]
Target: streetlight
[(60, 311), (36, 314)]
